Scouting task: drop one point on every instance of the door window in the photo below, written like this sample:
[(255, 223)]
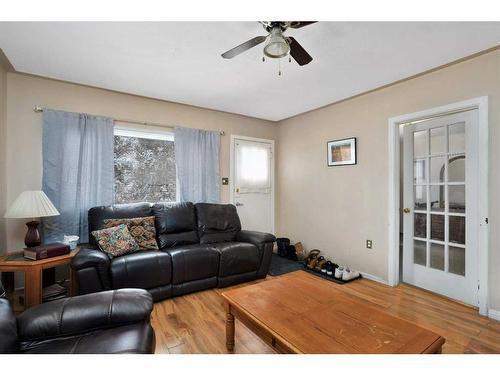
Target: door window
[(439, 198), (253, 167)]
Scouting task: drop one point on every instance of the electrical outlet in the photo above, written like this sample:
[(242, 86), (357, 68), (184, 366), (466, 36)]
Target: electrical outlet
[(225, 181), (369, 244)]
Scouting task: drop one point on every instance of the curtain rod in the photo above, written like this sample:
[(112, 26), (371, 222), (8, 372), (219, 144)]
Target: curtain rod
[(40, 109)]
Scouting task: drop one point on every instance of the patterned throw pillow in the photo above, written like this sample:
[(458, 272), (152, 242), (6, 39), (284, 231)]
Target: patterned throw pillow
[(115, 241), (141, 228)]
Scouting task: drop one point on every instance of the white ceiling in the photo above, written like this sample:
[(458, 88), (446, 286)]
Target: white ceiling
[(180, 61)]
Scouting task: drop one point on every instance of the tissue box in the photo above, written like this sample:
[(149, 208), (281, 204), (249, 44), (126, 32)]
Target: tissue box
[(71, 241)]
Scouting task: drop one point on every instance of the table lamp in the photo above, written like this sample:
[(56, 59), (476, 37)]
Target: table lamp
[(33, 204)]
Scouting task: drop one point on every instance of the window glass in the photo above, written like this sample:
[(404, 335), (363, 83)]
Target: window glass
[(253, 166), (144, 167)]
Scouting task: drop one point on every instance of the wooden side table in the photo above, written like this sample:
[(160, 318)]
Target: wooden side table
[(15, 262)]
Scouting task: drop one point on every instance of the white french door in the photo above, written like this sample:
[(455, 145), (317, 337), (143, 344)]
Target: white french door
[(440, 182)]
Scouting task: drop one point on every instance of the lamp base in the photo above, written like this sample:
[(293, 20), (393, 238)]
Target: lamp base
[(33, 235)]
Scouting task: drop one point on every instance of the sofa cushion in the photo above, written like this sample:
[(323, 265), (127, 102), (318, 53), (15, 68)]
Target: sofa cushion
[(115, 241), (175, 224), (97, 215), (145, 269), (217, 222), (141, 228), (193, 262), (237, 257)]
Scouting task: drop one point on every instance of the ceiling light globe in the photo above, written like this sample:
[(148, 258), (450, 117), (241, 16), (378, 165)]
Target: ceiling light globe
[(277, 46)]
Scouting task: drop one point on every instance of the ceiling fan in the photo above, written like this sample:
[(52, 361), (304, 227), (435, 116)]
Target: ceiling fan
[(278, 45)]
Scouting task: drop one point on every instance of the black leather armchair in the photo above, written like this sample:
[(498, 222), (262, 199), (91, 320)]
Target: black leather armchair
[(107, 322)]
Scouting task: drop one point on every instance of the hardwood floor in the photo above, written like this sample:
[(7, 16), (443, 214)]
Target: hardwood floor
[(195, 323)]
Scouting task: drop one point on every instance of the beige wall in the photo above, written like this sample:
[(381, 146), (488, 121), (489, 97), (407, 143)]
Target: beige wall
[(3, 143), (336, 209), (24, 130)]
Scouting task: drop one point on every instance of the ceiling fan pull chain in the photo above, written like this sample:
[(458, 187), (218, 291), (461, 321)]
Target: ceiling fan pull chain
[(263, 59), (279, 67)]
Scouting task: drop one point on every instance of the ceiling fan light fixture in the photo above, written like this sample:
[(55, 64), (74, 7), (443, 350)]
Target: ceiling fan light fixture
[(277, 46)]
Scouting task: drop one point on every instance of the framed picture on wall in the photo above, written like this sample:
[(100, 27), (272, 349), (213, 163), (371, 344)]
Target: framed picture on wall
[(341, 152)]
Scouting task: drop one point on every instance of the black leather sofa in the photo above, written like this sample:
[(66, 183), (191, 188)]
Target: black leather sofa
[(101, 323), (201, 246)]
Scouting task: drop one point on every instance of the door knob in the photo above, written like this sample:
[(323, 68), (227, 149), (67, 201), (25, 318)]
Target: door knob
[(406, 210), (239, 204)]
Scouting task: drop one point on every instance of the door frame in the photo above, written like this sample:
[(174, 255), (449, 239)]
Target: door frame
[(394, 153), (232, 174)]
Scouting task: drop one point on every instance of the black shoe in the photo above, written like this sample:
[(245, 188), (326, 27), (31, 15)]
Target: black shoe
[(283, 244), (329, 268), (326, 266), (290, 253)]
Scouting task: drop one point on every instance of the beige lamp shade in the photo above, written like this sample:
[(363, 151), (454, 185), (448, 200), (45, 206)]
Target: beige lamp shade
[(31, 203)]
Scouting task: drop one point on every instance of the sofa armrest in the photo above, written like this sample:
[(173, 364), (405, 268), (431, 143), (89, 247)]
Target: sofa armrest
[(92, 270), (80, 314), (256, 238), (89, 257), (265, 244)]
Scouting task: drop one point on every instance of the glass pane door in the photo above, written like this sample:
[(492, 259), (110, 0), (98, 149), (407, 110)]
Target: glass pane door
[(439, 216), (440, 184)]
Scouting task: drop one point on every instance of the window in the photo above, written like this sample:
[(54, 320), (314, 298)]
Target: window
[(253, 167), (144, 166)]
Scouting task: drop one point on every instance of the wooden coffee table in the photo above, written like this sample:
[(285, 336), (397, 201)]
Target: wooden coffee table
[(302, 313)]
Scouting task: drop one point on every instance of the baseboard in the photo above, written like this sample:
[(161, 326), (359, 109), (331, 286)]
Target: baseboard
[(368, 276), (494, 314)]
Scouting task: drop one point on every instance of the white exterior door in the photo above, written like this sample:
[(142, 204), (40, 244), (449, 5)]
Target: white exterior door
[(440, 195), (252, 187)]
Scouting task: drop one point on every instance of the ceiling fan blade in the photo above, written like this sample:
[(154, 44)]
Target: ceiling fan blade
[(243, 47), (298, 53), (299, 24)]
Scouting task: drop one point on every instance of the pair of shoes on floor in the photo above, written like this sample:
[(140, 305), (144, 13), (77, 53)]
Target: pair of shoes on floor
[(320, 264), (312, 259), (328, 268), (345, 273)]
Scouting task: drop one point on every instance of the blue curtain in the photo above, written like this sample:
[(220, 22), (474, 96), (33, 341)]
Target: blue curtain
[(197, 161), (77, 170)]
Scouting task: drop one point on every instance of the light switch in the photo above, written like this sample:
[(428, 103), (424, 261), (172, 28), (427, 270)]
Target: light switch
[(225, 181)]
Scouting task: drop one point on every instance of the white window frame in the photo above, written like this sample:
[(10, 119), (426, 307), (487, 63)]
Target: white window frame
[(148, 132)]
